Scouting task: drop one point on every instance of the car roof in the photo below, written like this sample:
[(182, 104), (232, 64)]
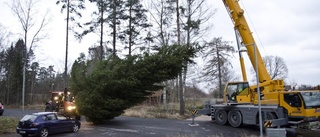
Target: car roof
[(44, 113)]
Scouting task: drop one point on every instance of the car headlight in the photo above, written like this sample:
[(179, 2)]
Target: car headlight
[(55, 98), (71, 107)]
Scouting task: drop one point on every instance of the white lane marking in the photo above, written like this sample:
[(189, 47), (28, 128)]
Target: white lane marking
[(124, 130)]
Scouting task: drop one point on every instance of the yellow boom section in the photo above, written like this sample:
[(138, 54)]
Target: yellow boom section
[(240, 24)]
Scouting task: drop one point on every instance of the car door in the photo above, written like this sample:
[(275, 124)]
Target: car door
[(53, 124), (65, 123)]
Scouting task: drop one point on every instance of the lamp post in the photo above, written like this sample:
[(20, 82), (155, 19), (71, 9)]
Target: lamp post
[(258, 89)]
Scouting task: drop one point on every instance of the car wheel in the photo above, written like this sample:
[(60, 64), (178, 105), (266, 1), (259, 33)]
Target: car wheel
[(24, 135), (44, 132), (75, 128)]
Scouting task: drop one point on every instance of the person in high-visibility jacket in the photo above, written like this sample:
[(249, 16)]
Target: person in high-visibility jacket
[(233, 96)]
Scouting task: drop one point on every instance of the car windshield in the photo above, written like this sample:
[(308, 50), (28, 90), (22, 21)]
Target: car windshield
[(312, 99), (30, 118)]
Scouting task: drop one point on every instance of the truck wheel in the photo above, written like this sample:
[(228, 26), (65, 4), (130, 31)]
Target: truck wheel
[(48, 108), (270, 116), (235, 118), (221, 117)]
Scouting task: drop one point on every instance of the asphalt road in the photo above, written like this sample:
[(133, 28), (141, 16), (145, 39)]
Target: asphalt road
[(143, 127)]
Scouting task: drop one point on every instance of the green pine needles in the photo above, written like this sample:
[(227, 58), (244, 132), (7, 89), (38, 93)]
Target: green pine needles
[(104, 89)]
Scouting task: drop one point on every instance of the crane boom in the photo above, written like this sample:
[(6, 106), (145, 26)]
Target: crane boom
[(240, 24)]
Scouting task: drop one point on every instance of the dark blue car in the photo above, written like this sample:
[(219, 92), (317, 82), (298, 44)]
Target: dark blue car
[(44, 123)]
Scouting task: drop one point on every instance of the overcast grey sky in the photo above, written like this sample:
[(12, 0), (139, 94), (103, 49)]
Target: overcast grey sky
[(286, 28)]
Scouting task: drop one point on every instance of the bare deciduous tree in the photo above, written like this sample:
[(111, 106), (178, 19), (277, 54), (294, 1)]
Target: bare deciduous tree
[(193, 16), (227, 75), (276, 67), (26, 12), (196, 17), (4, 34), (217, 54), (162, 12), (179, 80)]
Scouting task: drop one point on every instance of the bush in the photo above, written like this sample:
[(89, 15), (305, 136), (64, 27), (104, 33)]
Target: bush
[(8, 125)]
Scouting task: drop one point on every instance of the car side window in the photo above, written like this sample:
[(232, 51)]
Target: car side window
[(51, 117), (44, 118)]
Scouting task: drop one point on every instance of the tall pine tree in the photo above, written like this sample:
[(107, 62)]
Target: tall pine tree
[(135, 32)]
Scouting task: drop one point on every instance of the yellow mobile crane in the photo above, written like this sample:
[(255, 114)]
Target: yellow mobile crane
[(278, 107)]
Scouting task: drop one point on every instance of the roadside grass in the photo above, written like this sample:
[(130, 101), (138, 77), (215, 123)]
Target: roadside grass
[(8, 125), (39, 107), (157, 111), (170, 111)]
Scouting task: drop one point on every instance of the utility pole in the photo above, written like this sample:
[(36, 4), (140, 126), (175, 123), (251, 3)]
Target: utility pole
[(24, 72), (258, 90), (67, 41)]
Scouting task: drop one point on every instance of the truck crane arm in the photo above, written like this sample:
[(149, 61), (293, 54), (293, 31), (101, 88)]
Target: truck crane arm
[(241, 26)]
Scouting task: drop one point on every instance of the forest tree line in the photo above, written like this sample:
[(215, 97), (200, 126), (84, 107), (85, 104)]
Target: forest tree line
[(40, 80)]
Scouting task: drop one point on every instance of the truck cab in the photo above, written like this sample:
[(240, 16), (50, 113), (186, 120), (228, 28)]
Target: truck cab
[(236, 92)]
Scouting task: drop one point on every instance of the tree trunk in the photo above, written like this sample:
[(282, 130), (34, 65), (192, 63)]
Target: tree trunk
[(101, 32), (114, 27), (31, 88), (130, 31), (24, 67), (219, 73), (182, 107)]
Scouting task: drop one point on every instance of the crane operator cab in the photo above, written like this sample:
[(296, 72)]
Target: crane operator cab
[(236, 92)]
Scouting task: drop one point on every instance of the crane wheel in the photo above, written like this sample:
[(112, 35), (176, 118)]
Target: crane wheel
[(271, 116), (235, 118), (221, 117)]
